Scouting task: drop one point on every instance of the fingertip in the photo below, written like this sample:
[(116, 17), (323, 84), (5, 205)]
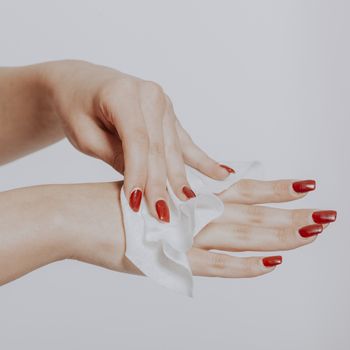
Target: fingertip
[(304, 186), (188, 192), (222, 171), (227, 168), (162, 210), (218, 172), (135, 199), (184, 193), (272, 261)]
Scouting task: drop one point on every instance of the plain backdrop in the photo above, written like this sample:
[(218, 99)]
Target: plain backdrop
[(250, 80)]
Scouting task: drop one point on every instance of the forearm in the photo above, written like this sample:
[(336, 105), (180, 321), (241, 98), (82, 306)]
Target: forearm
[(28, 121), (43, 224), (29, 231)]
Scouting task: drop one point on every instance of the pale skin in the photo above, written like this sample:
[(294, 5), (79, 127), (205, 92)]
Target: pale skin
[(84, 221), (127, 122)]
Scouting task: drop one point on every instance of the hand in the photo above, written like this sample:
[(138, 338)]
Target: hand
[(242, 227), (245, 226), (84, 222), (130, 124)]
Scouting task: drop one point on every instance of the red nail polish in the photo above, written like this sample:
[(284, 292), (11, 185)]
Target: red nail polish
[(310, 230), (324, 216), (304, 186), (230, 170), (135, 200), (188, 192), (272, 260), (163, 210)]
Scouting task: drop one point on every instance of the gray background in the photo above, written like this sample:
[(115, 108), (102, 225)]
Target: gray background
[(264, 80)]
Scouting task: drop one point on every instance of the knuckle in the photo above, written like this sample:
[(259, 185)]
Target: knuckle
[(106, 92), (283, 236), (127, 85), (299, 216), (249, 267), (254, 214), (242, 233), (280, 188), (218, 262), (156, 149), (153, 90), (141, 137), (117, 87), (172, 148), (245, 188), (198, 158), (252, 267), (177, 173), (178, 179), (156, 187)]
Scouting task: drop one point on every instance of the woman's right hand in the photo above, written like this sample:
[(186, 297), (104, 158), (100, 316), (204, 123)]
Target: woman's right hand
[(129, 123), (244, 226)]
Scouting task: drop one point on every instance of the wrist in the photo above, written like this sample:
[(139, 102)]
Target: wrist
[(47, 75), (32, 78), (51, 221), (63, 79), (88, 220)]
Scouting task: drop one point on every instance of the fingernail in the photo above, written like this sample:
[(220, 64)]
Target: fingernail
[(272, 260), (135, 200), (162, 210), (230, 170), (188, 192), (310, 230), (304, 186), (324, 216)]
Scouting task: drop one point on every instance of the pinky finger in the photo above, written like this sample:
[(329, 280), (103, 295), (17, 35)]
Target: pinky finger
[(205, 263)]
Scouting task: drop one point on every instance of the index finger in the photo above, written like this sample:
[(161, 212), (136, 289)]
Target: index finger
[(248, 191), (126, 115)]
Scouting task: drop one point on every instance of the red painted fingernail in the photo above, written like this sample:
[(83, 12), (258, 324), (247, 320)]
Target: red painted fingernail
[(230, 170), (188, 192), (135, 200), (324, 216), (310, 230), (272, 260), (163, 210), (304, 186)]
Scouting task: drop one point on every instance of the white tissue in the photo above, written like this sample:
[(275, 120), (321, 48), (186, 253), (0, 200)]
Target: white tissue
[(159, 249)]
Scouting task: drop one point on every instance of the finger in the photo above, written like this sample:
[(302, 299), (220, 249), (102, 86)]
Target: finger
[(236, 238), (249, 191), (175, 163), (153, 107), (262, 216), (198, 159), (204, 263), (124, 111)]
